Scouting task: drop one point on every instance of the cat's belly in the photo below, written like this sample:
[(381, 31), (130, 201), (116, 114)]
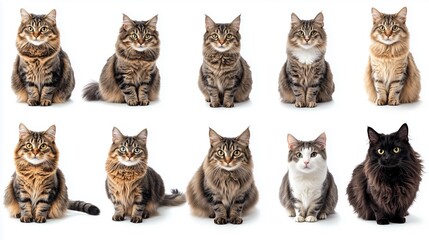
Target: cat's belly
[(306, 191), (388, 70)]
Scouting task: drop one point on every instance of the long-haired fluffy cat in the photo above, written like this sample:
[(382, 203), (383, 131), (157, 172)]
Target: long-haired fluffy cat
[(308, 190), (306, 78), (134, 188), (223, 187), (225, 77), (38, 189), (42, 73), (391, 76), (385, 185), (130, 75)]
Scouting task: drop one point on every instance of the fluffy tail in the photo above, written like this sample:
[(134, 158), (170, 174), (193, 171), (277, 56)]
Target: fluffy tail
[(91, 92), (82, 206), (173, 199)]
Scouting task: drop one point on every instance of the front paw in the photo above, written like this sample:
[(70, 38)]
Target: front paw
[(299, 219), (26, 219), (132, 102), (33, 102), (45, 102), (311, 104), (394, 102), (380, 101), (136, 219), (228, 104), (311, 219), (382, 221), (236, 220), (220, 220), (299, 104), (398, 220), (118, 217), (144, 102), (323, 216), (40, 219), (214, 104)]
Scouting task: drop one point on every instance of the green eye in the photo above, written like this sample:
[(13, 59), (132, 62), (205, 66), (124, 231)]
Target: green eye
[(313, 154), (44, 29), (137, 150), (395, 28), (122, 149), (147, 36), (220, 153), (381, 28), (134, 36), (229, 36), (214, 36), (380, 151), (298, 155), (396, 150), (30, 29), (43, 146), (237, 153), (29, 146)]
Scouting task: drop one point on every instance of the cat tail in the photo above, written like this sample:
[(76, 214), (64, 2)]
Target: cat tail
[(91, 92), (82, 206), (173, 199)]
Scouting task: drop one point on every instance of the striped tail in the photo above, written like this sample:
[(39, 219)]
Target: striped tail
[(173, 199), (82, 206), (91, 92)]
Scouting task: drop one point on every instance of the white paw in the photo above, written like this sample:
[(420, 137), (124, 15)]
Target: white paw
[(299, 219), (311, 219)]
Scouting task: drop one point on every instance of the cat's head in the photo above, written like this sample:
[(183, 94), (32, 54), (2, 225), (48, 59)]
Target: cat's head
[(389, 150), (389, 28), (307, 34), (36, 148), (229, 153), (138, 36), (307, 156), (38, 30), (222, 37), (128, 151)]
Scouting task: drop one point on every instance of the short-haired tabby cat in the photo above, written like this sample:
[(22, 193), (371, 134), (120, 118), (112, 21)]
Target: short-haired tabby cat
[(134, 188), (130, 75), (306, 78), (38, 190), (391, 76), (223, 187), (225, 76), (308, 190), (42, 73), (385, 185)]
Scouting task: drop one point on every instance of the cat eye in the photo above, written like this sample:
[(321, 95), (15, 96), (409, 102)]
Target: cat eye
[(220, 153), (43, 146), (395, 28), (147, 36), (137, 150), (313, 154), (30, 29), (396, 150), (214, 36), (381, 28), (300, 33), (122, 149), (237, 153), (380, 151), (29, 146), (298, 155), (133, 36), (44, 29), (229, 36)]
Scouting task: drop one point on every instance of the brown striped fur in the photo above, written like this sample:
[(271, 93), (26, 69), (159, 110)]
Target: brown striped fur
[(130, 75), (37, 190), (42, 73), (134, 188), (223, 187), (391, 76)]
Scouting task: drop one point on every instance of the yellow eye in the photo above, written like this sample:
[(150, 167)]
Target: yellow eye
[(300, 33), (44, 29), (380, 151), (134, 36), (30, 29), (43, 146), (381, 28), (137, 150), (220, 153), (298, 155), (396, 150), (122, 149), (147, 36), (29, 146), (214, 36), (395, 28), (313, 154), (229, 36), (237, 153)]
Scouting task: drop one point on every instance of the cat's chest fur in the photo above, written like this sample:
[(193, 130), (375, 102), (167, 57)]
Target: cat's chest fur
[(307, 187), (306, 56)]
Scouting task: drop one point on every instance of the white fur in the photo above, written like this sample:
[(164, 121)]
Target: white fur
[(306, 56), (34, 161), (128, 163), (36, 42), (387, 41), (139, 48)]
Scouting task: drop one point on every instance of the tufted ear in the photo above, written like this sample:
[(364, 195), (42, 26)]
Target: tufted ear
[(244, 137), (152, 22), (319, 19), (210, 24), (52, 16), (214, 137), (376, 15), (321, 141), (25, 16), (116, 135), (235, 24), (402, 15), (403, 132), (294, 21), (127, 23), (23, 131), (373, 136), (142, 136), (292, 141), (50, 133)]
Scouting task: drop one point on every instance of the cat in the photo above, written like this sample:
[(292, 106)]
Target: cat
[(38, 190), (225, 77), (308, 190), (134, 188), (130, 75), (391, 76), (223, 187), (385, 185), (42, 72), (306, 78)]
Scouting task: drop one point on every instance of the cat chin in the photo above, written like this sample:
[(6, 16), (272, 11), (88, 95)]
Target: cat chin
[(36, 42), (221, 49), (306, 46), (129, 163), (139, 49), (388, 42), (34, 161), (229, 168)]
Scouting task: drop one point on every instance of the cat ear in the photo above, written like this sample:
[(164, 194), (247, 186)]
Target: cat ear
[(25, 16), (127, 23), (23, 131), (321, 141), (52, 16), (235, 24), (376, 15), (292, 141), (116, 135), (294, 20), (319, 19), (402, 15), (214, 137), (50, 133), (153, 21), (244, 137), (403, 132), (373, 136), (209, 23), (142, 136)]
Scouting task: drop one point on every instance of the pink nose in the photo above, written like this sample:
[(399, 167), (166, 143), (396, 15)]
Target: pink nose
[(306, 162)]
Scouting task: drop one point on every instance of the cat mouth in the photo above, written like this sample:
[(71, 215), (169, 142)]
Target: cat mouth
[(129, 163), (388, 41), (222, 48), (34, 161), (139, 48), (36, 42)]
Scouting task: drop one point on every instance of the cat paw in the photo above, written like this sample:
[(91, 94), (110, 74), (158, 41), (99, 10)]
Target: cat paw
[(311, 219), (312, 104), (236, 220), (380, 102), (45, 103), (18, 215), (132, 103), (212, 215), (214, 104), (136, 219), (118, 217), (299, 104), (322, 216), (299, 219), (40, 219), (398, 220), (146, 214), (26, 219), (394, 102), (382, 221), (228, 105), (144, 102), (33, 102), (220, 220)]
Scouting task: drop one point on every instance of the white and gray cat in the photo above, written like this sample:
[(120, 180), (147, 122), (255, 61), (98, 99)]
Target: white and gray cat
[(308, 190)]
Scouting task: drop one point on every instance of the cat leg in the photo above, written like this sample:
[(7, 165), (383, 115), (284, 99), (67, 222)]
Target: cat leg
[(119, 214), (395, 90), (129, 92), (219, 209), (33, 94), (311, 96), (46, 95), (236, 210), (299, 93), (381, 91), (398, 219), (143, 94), (138, 212), (312, 212), (229, 93), (299, 212)]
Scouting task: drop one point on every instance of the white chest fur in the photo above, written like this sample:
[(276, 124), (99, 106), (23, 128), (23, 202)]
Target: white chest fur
[(307, 187), (306, 56)]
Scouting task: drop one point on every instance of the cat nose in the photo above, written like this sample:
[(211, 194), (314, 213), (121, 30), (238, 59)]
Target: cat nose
[(306, 162), (227, 160)]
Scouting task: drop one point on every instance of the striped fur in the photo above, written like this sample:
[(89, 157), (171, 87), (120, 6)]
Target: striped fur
[(225, 76), (134, 188), (130, 75), (37, 190), (392, 76), (42, 72), (223, 188), (308, 190), (306, 78)]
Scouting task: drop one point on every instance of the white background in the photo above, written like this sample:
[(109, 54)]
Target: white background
[(179, 121)]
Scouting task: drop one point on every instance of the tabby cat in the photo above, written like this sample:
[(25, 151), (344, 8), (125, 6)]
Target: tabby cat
[(225, 76), (134, 188), (308, 190), (130, 75), (385, 185), (392, 76), (42, 73), (38, 190), (223, 188), (306, 78)]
